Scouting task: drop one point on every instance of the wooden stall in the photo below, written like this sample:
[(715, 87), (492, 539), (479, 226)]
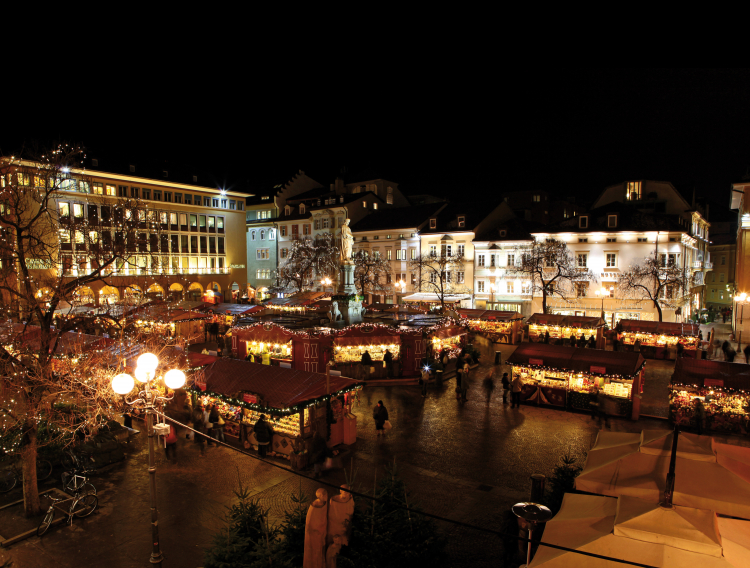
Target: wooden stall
[(497, 326), (450, 337), (168, 321), (659, 339), (263, 343), (561, 376), (295, 402), (724, 389), (351, 343), (562, 329)]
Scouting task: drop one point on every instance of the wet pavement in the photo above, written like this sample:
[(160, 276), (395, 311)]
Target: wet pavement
[(466, 462)]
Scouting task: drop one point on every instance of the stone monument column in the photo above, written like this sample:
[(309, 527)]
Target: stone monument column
[(351, 309)]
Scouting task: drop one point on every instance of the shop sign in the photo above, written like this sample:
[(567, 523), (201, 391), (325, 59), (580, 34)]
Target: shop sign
[(236, 266), (713, 382), (250, 398), (600, 370), (536, 361)]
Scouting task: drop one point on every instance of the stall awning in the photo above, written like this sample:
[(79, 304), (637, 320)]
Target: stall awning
[(717, 373), (264, 333), (434, 298), (489, 315), (567, 321), (280, 388), (578, 360), (366, 335), (230, 309), (660, 327)]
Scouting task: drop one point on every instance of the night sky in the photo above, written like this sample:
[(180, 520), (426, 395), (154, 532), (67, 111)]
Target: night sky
[(571, 131)]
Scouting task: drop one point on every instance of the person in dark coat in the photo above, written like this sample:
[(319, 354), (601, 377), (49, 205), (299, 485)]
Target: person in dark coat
[(546, 337), (731, 354), (380, 415), (592, 342), (319, 453), (388, 360), (366, 359), (725, 349), (506, 387), (200, 428), (747, 353), (489, 384), (582, 341), (263, 434), (680, 349)]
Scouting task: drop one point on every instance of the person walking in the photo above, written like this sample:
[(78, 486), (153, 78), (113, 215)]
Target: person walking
[(424, 379), (199, 426), (207, 428), (489, 384), (731, 354), (680, 349), (366, 363), (380, 415), (465, 382), (592, 342), (700, 415), (263, 435), (459, 372), (506, 387), (717, 347), (515, 392), (388, 360), (725, 349), (217, 422), (171, 444), (546, 337)]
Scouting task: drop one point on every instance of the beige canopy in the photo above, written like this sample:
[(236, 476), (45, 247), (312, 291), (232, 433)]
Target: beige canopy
[(638, 531), (709, 475)]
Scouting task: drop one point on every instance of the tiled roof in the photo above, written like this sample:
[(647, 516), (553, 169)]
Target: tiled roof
[(629, 219), (577, 359), (474, 213), (278, 387), (397, 218)]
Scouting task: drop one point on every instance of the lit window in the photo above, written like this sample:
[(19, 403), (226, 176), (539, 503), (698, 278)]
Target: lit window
[(433, 223), (510, 287), (582, 260), (480, 260), (611, 260), (480, 286), (633, 190), (583, 222), (462, 222)]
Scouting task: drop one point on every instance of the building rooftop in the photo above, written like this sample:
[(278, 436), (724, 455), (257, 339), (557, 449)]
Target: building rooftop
[(397, 218), (447, 219), (629, 218)]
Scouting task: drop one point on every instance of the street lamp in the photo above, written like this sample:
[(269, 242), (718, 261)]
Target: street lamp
[(401, 284), (741, 300), (602, 293), (326, 282), (147, 399), (493, 287)]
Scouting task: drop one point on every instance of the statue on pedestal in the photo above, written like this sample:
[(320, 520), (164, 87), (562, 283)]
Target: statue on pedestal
[(347, 242), (340, 511), (316, 526)]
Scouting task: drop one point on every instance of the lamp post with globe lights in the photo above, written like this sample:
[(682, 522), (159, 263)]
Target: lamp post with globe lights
[(148, 399), (326, 282), (402, 286)]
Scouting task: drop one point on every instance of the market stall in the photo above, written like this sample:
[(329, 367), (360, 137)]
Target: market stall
[(499, 327), (295, 403), (167, 321), (351, 343), (724, 389), (266, 342), (561, 376), (562, 328), (450, 338), (659, 339)]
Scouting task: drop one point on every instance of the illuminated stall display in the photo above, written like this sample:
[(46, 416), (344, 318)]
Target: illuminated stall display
[(561, 328), (561, 376), (724, 389), (294, 402), (500, 327), (659, 340), (266, 342), (451, 338), (170, 322)]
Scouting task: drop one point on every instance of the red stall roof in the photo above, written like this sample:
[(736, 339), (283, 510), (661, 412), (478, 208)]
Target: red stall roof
[(567, 321), (279, 387), (376, 335), (718, 373), (660, 328), (576, 359), (489, 315), (266, 332)]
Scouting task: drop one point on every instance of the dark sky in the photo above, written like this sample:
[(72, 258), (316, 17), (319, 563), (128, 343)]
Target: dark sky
[(572, 131)]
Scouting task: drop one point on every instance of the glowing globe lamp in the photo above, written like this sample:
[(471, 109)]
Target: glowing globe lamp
[(174, 379), (148, 361), (123, 383)]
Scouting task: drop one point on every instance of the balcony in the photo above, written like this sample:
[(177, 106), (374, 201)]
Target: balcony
[(708, 265), (698, 264)]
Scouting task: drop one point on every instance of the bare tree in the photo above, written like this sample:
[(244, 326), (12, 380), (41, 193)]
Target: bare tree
[(440, 274), (309, 259), (371, 272), (50, 255), (658, 280), (552, 269)]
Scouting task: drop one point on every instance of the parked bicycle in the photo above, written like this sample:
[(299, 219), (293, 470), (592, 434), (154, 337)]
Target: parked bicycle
[(83, 501), (11, 473)]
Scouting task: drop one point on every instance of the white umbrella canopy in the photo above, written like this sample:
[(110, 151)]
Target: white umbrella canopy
[(636, 531), (709, 475)]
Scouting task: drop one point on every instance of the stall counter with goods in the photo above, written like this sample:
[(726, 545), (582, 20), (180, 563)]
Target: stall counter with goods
[(566, 377), (724, 390), (499, 327), (659, 340), (295, 404), (562, 329)]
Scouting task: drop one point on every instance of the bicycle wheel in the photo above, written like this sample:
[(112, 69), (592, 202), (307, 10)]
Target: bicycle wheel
[(43, 470), (7, 480), (86, 489), (69, 461), (46, 522), (84, 506)]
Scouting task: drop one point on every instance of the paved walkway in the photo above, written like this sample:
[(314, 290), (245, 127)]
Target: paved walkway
[(467, 462)]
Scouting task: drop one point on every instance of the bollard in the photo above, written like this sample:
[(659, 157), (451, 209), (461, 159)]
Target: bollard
[(537, 488)]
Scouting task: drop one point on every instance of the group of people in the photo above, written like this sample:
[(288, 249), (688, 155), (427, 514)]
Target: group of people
[(207, 421), (581, 342)]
